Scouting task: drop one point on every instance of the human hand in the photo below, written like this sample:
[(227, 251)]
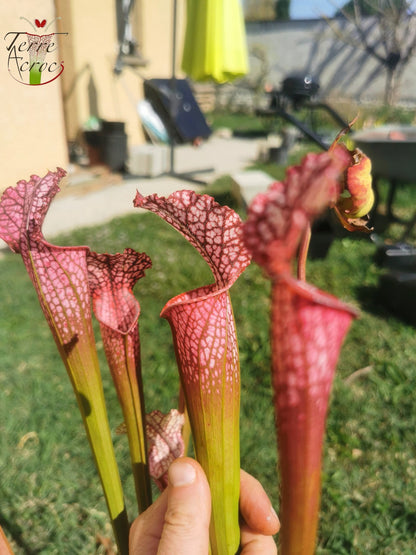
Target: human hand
[(178, 521)]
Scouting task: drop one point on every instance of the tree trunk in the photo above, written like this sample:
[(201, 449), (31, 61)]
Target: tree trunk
[(393, 83), (392, 86)]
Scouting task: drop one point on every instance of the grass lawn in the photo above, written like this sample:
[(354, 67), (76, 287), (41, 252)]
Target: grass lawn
[(50, 499)]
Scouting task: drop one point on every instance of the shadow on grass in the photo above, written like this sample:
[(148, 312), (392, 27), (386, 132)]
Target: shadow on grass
[(250, 133), (372, 301), (399, 511), (222, 191), (15, 533)]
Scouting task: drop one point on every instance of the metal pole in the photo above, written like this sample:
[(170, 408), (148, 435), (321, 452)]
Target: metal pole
[(173, 100)]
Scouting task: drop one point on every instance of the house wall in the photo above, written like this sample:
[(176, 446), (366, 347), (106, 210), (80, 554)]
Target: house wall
[(310, 46), (31, 118), (255, 10), (38, 121), (90, 87)]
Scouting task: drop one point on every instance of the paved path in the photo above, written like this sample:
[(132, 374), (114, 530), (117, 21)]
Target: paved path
[(72, 211)]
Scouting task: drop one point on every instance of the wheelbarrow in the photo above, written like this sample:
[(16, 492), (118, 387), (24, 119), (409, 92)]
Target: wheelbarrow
[(391, 149)]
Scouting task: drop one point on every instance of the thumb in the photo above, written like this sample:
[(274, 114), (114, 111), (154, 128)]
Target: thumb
[(188, 511)]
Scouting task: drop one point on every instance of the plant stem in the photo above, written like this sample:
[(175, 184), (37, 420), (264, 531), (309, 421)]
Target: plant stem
[(303, 253), (94, 415), (5, 547), (186, 430), (35, 76)]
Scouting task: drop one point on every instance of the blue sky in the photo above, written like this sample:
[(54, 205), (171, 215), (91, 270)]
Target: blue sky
[(306, 9)]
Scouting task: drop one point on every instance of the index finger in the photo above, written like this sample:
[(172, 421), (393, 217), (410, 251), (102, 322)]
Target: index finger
[(255, 506)]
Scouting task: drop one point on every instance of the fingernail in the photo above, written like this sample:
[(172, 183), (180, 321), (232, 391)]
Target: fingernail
[(273, 515), (181, 474)]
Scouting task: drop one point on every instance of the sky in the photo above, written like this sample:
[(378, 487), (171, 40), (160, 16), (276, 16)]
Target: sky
[(307, 9)]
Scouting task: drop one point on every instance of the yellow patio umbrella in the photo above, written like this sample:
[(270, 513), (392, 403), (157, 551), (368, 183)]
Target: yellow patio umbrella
[(215, 45)]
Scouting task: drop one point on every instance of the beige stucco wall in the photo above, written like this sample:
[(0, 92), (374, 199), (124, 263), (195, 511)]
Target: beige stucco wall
[(31, 117), (89, 84), (37, 121)]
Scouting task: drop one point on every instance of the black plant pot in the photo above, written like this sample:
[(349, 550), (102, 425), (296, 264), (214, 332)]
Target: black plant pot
[(93, 142), (321, 239), (397, 293), (320, 244), (400, 256), (113, 145)]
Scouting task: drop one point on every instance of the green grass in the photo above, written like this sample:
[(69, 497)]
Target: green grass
[(249, 123), (242, 123), (50, 499)]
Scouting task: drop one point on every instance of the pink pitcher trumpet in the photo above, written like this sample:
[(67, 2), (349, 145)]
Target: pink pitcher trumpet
[(111, 280), (205, 340), (60, 277), (307, 331)]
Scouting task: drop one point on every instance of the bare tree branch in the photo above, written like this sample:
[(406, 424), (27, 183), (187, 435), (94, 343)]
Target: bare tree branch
[(391, 41)]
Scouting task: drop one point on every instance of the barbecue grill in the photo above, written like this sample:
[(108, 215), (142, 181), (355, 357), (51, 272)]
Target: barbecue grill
[(298, 91)]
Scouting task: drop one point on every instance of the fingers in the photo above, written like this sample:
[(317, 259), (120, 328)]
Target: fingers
[(146, 530), (188, 511), (255, 507), (178, 522), (253, 543)]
